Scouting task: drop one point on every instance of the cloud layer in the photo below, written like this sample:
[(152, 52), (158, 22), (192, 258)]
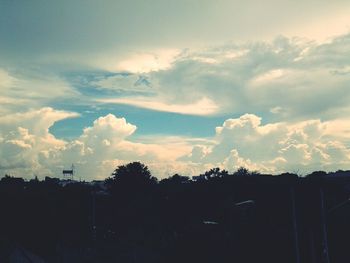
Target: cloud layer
[(283, 105), (28, 148), (283, 79), (79, 30)]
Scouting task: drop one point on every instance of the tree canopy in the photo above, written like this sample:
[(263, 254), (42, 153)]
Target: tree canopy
[(133, 173)]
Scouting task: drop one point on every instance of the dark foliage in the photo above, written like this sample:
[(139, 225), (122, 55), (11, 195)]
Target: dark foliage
[(213, 217)]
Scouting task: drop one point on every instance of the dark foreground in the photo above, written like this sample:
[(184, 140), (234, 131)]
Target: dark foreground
[(218, 217)]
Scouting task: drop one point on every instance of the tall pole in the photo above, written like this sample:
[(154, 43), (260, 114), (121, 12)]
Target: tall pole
[(73, 171), (312, 246), (93, 219), (325, 253), (295, 226)]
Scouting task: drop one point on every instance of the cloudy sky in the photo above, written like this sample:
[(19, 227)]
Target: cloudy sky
[(182, 86)]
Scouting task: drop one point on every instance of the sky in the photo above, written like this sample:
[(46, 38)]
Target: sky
[(182, 86)]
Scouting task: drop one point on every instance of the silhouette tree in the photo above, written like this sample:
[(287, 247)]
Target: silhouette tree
[(242, 171), (215, 173), (134, 172), (133, 176), (176, 179)]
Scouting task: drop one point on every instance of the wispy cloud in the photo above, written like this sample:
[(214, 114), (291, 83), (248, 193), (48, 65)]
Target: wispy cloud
[(147, 62), (203, 106)]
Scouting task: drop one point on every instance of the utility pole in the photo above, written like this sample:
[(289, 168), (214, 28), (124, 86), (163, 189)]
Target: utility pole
[(93, 219), (325, 254), (295, 226), (312, 245)]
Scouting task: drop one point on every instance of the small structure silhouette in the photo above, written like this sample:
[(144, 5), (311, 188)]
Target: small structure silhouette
[(69, 174)]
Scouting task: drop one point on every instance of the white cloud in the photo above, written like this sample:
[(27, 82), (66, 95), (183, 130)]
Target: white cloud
[(234, 161), (287, 78), (37, 122), (28, 148), (107, 143), (269, 76), (25, 140), (276, 110), (339, 128), (203, 106), (300, 87), (269, 73), (108, 128), (6, 80), (274, 147), (144, 62), (21, 90)]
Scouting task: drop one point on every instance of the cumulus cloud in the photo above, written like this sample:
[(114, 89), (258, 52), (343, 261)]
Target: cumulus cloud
[(37, 122), (107, 130), (28, 148), (25, 139), (105, 144), (274, 147), (286, 78)]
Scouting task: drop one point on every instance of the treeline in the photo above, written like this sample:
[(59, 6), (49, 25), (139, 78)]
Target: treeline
[(214, 217)]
